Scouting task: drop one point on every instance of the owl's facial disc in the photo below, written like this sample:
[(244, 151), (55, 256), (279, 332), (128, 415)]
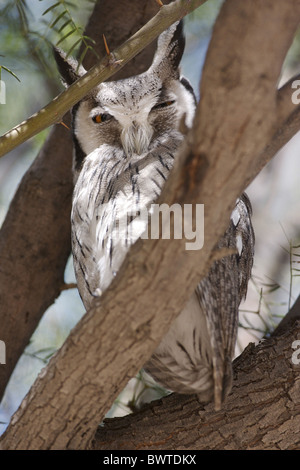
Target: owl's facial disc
[(132, 114)]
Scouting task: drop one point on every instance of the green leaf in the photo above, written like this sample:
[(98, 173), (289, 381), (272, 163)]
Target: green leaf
[(51, 8), (9, 71), (82, 56), (71, 4), (89, 39), (65, 24), (66, 36), (23, 16), (73, 47), (57, 19)]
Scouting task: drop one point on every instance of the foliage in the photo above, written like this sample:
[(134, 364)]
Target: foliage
[(32, 29), (66, 28)]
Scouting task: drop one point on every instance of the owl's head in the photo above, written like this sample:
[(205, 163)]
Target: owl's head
[(134, 112)]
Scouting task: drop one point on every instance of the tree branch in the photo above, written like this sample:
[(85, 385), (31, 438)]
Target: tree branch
[(287, 122), (285, 105), (288, 319), (234, 123), (35, 246), (261, 412), (55, 110)]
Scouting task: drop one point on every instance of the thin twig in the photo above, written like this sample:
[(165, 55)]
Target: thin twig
[(71, 285)]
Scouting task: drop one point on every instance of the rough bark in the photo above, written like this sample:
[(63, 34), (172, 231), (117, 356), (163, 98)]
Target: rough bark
[(35, 237), (236, 120), (288, 319), (261, 413), (34, 246)]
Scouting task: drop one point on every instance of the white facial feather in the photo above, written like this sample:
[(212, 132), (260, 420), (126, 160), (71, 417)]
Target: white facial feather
[(134, 115)]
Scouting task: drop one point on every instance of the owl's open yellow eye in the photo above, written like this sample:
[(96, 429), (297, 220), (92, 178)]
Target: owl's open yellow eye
[(98, 118)]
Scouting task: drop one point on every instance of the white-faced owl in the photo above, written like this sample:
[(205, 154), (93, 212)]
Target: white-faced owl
[(126, 136)]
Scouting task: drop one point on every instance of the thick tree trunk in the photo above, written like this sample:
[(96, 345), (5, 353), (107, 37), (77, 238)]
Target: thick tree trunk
[(34, 246), (237, 120)]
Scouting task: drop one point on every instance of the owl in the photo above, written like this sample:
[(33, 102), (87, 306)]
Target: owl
[(126, 135)]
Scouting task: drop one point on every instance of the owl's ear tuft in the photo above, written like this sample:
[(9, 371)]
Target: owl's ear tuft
[(170, 48), (67, 67)]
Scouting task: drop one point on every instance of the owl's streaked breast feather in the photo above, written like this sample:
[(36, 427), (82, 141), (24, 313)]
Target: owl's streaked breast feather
[(103, 196)]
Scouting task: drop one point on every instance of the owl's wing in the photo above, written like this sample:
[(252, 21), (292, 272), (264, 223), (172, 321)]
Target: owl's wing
[(245, 239), (222, 290), (195, 356)]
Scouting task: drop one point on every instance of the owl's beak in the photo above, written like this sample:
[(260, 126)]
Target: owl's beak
[(136, 138)]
